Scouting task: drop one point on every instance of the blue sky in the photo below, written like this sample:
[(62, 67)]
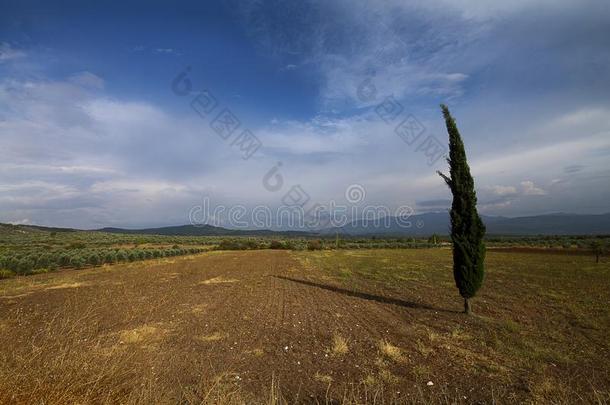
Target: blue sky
[(93, 135)]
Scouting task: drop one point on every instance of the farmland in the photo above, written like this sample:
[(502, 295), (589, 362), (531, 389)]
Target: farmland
[(298, 325), (26, 250)]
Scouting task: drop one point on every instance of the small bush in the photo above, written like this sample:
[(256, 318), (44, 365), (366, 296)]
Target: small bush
[(64, 259), (26, 265), (251, 244), (12, 263), (110, 257), (94, 259), (77, 245), (43, 261), (315, 244), (121, 256), (276, 244), (228, 244), (77, 262), (5, 273)]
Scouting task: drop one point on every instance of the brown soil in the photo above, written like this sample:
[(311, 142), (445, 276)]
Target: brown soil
[(176, 330)]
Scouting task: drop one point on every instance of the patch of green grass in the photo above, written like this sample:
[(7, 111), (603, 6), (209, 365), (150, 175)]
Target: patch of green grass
[(536, 313), (6, 274)]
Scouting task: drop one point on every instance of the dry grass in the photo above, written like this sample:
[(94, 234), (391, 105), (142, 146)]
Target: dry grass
[(323, 378), (66, 285), (141, 334), (256, 352), (219, 280), (392, 352), (197, 309), (340, 346), (214, 337)]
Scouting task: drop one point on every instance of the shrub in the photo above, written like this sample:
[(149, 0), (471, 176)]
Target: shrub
[(26, 265), (598, 248), (64, 259), (434, 239), (110, 257), (43, 260), (251, 244), (94, 259), (76, 245), (121, 256), (77, 262), (5, 273), (276, 244), (12, 263), (132, 256), (315, 244), (228, 244)]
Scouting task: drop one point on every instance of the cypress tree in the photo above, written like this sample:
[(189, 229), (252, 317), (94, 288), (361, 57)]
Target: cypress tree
[(467, 228)]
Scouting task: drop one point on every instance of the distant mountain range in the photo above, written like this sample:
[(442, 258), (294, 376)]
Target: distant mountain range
[(417, 225), (203, 230), (420, 225), (438, 222)]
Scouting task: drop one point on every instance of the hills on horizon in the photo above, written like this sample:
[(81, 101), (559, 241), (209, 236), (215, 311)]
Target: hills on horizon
[(439, 223), (418, 225)]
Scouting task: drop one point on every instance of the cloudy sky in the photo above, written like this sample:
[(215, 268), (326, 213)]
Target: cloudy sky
[(117, 115)]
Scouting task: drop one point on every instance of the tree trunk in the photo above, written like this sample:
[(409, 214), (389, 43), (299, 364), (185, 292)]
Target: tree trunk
[(597, 258), (467, 307)]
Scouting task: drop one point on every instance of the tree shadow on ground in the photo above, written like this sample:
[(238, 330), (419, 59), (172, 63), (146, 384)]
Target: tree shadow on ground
[(367, 296)]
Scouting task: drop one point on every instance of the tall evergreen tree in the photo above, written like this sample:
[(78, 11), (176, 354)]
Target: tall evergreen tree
[(467, 228)]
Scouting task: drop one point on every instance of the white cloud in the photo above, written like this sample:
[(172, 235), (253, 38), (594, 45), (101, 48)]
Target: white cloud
[(87, 80), (167, 51), (316, 136), (8, 53), (24, 221), (503, 190), (528, 188)]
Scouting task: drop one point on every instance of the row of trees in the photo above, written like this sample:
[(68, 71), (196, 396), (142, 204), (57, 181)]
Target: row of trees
[(322, 244), (30, 262)]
